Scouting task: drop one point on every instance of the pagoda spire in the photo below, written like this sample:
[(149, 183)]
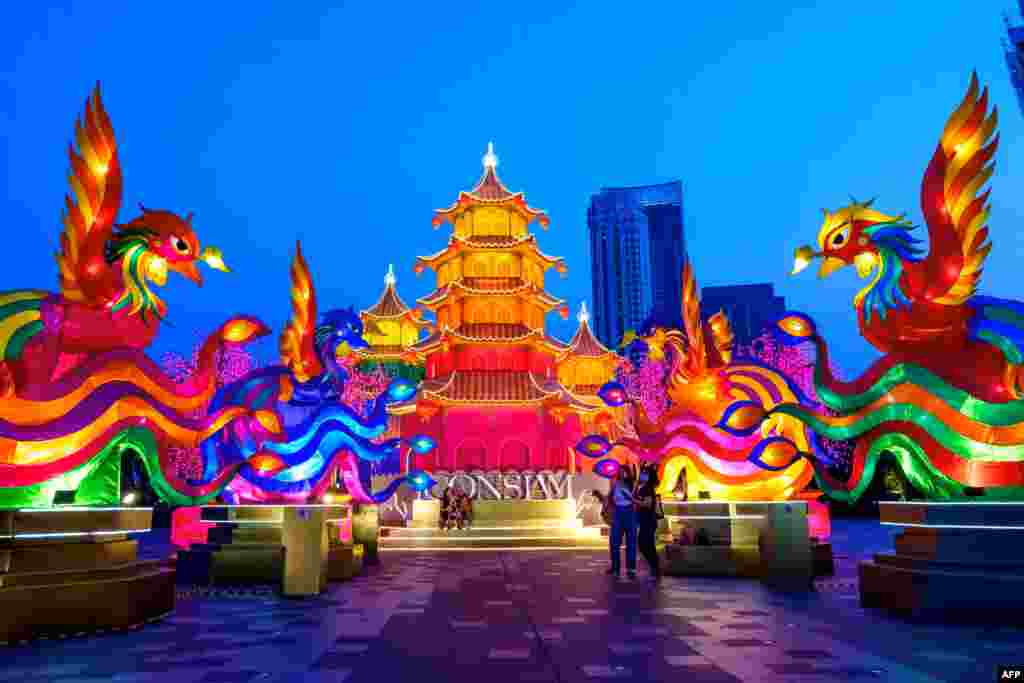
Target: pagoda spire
[(490, 158), (584, 315), (389, 277)]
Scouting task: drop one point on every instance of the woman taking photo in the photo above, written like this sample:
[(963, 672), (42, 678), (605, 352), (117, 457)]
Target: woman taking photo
[(623, 522), (647, 509)]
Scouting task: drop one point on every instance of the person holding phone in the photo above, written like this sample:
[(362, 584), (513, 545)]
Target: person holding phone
[(647, 511), (623, 522)]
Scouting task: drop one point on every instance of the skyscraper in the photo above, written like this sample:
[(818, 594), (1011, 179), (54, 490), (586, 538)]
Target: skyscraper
[(1015, 54), (751, 308), (637, 251), (667, 248)]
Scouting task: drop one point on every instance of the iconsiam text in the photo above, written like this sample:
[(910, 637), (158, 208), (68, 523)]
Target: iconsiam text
[(504, 485)]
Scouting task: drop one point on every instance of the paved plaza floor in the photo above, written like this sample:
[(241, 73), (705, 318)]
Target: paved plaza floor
[(492, 617)]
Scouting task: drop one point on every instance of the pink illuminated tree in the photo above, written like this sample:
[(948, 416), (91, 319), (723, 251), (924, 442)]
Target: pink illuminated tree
[(363, 387), (646, 384), (797, 363), (232, 364)]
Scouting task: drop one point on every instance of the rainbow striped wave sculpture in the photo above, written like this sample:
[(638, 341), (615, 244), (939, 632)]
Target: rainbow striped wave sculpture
[(945, 400), (715, 427)]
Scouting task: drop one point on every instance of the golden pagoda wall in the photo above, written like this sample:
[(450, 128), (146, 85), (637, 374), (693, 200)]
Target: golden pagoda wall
[(533, 273), (490, 221), (410, 333), (491, 309), (392, 334), (451, 271), (584, 371)]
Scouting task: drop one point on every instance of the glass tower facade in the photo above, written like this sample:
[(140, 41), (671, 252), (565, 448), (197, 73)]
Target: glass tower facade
[(1015, 55), (636, 238), (751, 308)]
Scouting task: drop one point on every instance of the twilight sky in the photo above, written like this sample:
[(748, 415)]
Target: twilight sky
[(345, 126)]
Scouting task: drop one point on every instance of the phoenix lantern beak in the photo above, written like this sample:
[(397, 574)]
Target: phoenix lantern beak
[(802, 258), (805, 254), (829, 265), (213, 257)]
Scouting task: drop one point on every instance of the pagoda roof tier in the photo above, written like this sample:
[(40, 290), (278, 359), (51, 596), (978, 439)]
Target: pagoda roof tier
[(571, 399), (584, 343), (494, 387), (487, 333), (434, 339), (527, 290), (390, 306), (489, 386), (489, 190), (587, 389), (493, 332), (389, 352), (491, 284), (527, 243)]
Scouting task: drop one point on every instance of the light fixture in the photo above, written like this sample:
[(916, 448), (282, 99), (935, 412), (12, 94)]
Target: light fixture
[(130, 498)]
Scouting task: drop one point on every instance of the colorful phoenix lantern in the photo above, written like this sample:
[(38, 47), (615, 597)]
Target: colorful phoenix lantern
[(319, 435), (945, 400), (76, 389), (715, 427)]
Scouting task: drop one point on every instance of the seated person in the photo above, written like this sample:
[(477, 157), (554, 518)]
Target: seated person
[(444, 519), (456, 511)]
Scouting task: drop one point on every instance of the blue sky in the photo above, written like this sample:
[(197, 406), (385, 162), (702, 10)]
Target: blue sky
[(345, 125)]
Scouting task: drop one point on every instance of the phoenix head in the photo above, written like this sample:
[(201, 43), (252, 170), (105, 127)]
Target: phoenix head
[(861, 236), (150, 245)]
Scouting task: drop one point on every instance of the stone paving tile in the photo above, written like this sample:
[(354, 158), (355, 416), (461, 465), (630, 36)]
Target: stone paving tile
[(532, 617)]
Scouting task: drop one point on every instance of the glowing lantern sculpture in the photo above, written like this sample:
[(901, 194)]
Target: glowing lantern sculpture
[(945, 399), (77, 390), (714, 427)]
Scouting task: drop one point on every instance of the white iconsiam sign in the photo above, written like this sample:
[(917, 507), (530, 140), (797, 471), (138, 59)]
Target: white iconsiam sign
[(504, 485)]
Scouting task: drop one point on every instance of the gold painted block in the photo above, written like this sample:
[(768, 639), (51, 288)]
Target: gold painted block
[(66, 556), (345, 562), (304, 531), (37, 525), (103, 601), (366, 530), (58, 576), (248, 564), (242, 513)]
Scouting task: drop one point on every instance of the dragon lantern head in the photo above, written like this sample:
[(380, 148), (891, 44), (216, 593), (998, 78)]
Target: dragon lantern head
[(339, 332), (856, 235)]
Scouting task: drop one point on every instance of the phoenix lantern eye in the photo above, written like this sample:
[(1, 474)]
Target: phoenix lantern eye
[(840, 238), (180, 245)]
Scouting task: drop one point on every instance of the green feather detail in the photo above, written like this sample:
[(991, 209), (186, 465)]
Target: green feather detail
[(1009, 349), (22, 336)]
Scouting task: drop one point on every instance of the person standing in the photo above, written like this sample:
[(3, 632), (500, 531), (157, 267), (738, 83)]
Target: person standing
[(623, 522), (647, 500), (448, 500)]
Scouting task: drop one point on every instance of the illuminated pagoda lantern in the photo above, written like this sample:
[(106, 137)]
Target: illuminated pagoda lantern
[(391, 328), (583, 368), (491, 398)]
